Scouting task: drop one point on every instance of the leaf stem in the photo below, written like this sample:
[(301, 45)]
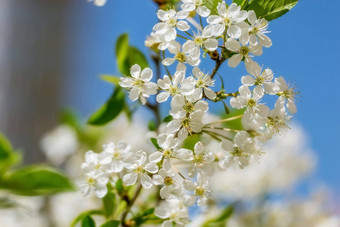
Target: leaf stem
[(129, 205)]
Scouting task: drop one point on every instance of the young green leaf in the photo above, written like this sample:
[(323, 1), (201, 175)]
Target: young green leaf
[(122, 48), (241, 3), (109, 202), (112, 223), (110, 110), (111, 79), (271, 9), (119, 186), (167, 118), (36, 180), (88, 222), (221, 219), (154, 142), (8, 157), (83, 215)]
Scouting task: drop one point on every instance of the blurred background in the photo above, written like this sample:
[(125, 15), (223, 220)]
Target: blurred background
[(53, 51)]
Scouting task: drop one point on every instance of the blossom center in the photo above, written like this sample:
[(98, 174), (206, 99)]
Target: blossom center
[(168, 181), (199, 191), (138, 83), (251, 103), (173, 90), (189, 107), (198, 41), (244, 51), (237, 152), (180, 57), (139, 169), (172, 22), (91, 181), (167, 153)]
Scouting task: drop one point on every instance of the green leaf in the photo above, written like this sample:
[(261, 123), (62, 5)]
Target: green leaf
[(119, 186), (83, 215), (271, 9), (190, 141), (36, 180), (122, 48), (8, 157), (152, 125), (154, 142), (241, 3), (212, 5), (167, 118), (112, 223), (88, 222), (111, 79), (234, 124), (128, 55), (110, 110), (221, 219), (69, 117), (109, 202), (135, 56)]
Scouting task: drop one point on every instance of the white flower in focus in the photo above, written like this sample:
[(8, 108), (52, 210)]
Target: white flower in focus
[(202, 190), (251, 101), (240, 151), (203, 41), (191, 5), (201, 160), (139, 169), (174, 211), (187, 125), (229, 19), (181, 105), (242, 52), (96, 182), (168, 143), (139, 84), (262, 80), (177, 85), (172, 183), (184, 56), (285, 93), (117, 153), (59, 144), (204, 82), (257, 31), (95, 163), (170, 20)]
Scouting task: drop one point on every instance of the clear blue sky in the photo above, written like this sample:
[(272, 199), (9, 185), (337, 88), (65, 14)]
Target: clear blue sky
[(306, 46)]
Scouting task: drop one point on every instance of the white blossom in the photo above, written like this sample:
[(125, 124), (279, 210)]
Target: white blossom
[(201, 188), (171, 181), (139, 84), (229, 19), (174, 211), (240, 151), (170, 20), (262, 80), (191, 5), (184, 56), (139, 169), (203, 83), (250, 100), (257, 31), (286, 94), (178, 84), (117, 153), (242, 52)]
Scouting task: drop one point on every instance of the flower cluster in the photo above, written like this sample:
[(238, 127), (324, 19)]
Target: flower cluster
[(233, 35)]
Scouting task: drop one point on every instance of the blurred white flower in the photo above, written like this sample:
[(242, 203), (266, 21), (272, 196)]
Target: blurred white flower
[(59, 144)]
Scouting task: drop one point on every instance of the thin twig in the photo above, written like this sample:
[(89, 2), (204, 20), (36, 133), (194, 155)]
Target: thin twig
[(129, 205), (226, 120)]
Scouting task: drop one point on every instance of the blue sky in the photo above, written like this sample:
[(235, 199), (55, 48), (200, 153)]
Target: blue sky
[(306, 46)]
